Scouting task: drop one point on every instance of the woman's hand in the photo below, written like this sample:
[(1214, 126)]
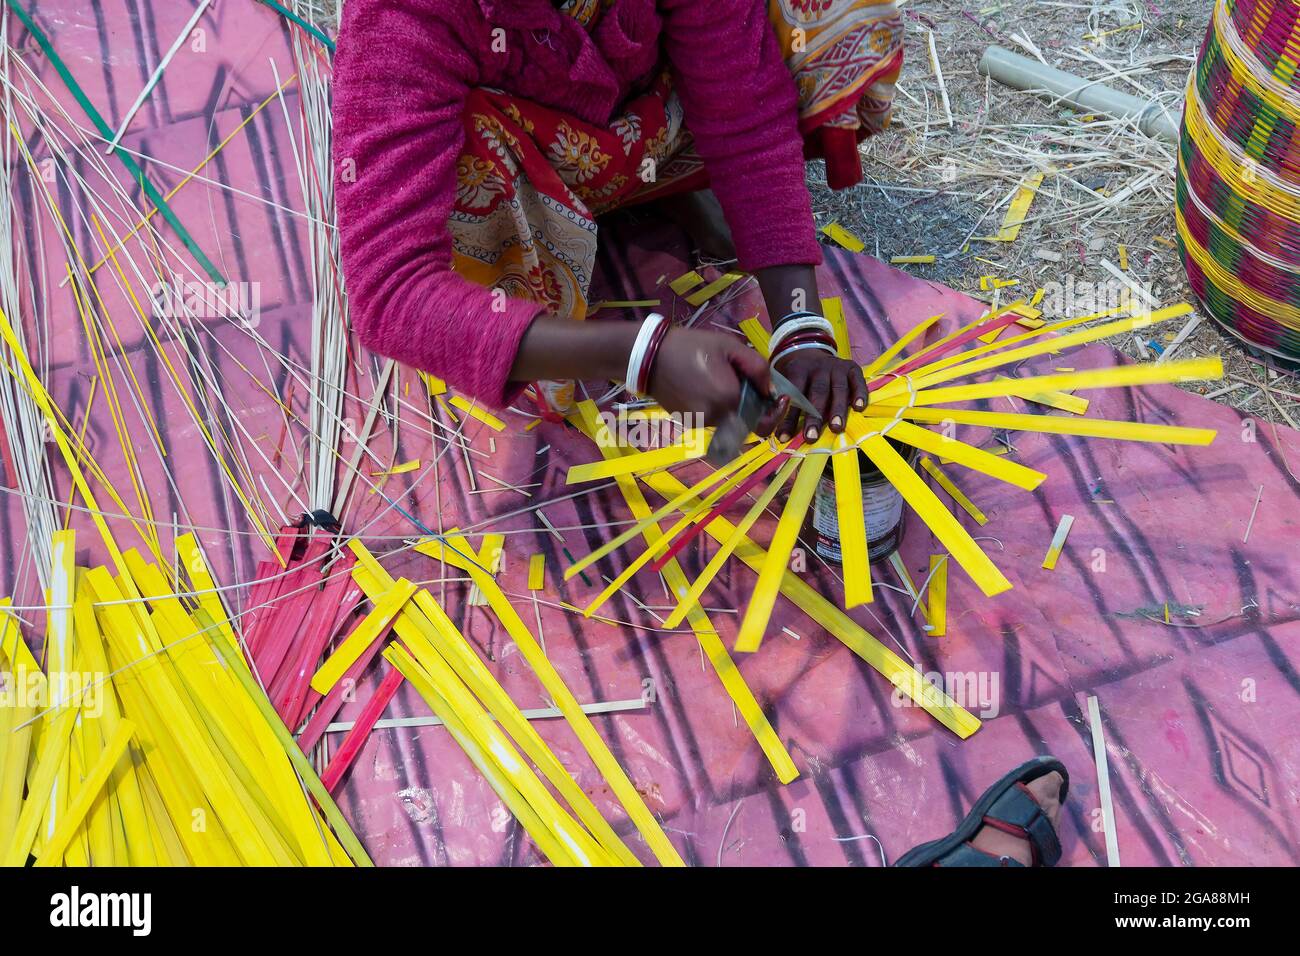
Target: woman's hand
[(830, 383), (700, 372)]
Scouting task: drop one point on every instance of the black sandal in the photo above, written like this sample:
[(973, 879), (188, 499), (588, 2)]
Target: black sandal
[(1009, 806)]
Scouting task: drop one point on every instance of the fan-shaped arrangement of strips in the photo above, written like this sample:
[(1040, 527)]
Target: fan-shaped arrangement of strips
[(1238, 189), (907, 394)]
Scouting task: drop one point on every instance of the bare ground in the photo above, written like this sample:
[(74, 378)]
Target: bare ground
[(933, 187)]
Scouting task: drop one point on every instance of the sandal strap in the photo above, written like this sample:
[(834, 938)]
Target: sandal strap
[(967, 855), (1018, 809)]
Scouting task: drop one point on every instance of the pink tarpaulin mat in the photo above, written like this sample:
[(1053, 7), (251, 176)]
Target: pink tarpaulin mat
[(1199, 712)]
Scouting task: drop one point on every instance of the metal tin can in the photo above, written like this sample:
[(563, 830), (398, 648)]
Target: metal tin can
[(882, 510)]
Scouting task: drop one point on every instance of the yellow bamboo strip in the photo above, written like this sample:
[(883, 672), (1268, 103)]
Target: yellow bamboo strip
[(685, 282), (12, 645), (1118, 376), (401, 469), (537, 572), (417, 637), (758, 453), (842, 237), (1037, 331), (59, 661), (98, 823), (205, 588), (925, 378), (547, 842), (758, 336), (1019, 208), (82, 455), (693, 445), (435, 385), (951, 449), (886, 358), (955, 493), (833, 312), (222, 708), (938, 595), (1091, 427), (159, 680), (126, 786), (693, 594), (171, 851), (940, 343), (15, 712), (938, 519), (472, 409), (81, 443), (366, 633), (1061, 400), (648, 554), (725, 281), (759, 610), (164, 766), (44, 402), (578, 845), (1058, 541), (58, 734), (852, 527)]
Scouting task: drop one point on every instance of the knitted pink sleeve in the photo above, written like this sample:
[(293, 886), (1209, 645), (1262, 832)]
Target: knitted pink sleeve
[(741, 105), (401, 75)]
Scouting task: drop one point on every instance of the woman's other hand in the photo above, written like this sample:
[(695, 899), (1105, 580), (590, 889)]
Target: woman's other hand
[(830, 383)]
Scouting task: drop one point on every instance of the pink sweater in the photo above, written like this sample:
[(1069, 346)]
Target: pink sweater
[(402, 72)]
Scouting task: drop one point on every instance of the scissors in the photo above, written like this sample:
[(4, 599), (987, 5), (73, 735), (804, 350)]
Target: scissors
[(732, 432)]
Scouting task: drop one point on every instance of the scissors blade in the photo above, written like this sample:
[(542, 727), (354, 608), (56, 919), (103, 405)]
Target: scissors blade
[(783, 386)]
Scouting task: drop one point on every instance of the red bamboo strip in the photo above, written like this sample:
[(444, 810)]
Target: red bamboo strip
[(356, 737)]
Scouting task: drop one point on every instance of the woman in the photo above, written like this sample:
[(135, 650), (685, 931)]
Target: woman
[(477, 140)]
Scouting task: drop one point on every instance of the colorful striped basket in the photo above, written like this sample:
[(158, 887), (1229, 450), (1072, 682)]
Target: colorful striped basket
[(1238, 188)]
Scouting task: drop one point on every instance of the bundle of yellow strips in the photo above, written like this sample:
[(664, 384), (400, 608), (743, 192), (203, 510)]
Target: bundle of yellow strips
[(145, 740)]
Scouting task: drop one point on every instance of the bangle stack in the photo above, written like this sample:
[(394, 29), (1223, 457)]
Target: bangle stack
[(799, 331), (641, 360)]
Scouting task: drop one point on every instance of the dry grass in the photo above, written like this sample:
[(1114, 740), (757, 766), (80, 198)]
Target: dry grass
[(930, 187)]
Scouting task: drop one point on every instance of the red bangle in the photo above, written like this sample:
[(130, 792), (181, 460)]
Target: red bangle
[(792, 342), (652, 349), (802, 337)]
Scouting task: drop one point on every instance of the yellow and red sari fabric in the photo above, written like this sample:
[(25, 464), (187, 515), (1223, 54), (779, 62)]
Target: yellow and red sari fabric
[(532, 180)]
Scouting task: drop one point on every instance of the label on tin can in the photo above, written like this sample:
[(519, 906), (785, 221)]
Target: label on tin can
[(882, 510)]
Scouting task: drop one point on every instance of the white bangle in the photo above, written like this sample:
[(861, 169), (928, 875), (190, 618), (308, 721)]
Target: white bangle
[(821, 346), (638, 354), (798, 325)]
